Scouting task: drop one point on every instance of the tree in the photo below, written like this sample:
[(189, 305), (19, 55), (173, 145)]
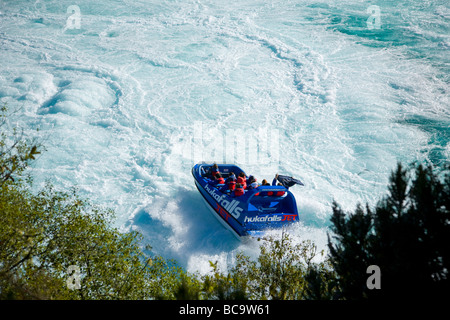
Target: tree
[(406, 236), (45, 235), (16, 151), (279, 273)]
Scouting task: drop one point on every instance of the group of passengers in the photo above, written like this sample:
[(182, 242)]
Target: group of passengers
[(237, 185)]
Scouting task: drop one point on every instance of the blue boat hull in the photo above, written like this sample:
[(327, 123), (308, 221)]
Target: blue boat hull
[(250, 214)]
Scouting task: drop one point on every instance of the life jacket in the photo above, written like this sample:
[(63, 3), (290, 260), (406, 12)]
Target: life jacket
[(220, 180), (231, 185), (242, 181), (239, 191)]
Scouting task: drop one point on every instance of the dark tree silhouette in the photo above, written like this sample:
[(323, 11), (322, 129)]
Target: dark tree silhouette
[(407, 236)]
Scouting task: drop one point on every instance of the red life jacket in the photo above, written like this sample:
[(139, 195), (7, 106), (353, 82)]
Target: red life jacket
[(231, 185), (239, 191), (220, 180), (242, 181)]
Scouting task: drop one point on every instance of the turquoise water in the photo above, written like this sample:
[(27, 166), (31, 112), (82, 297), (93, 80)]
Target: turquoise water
[(128, 95)]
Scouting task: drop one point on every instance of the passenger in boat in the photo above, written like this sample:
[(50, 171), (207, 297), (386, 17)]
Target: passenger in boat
[(242, 180), (265, 183), (231, 177), (239, 191), (219, 179), (274, 181), (214, 170), (203, 172), (252, 183), (231, 185)]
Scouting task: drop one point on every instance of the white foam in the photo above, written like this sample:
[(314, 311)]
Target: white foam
[(116, 102)]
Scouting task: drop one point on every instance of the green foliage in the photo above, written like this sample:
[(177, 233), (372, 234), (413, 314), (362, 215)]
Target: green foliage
[(43, 234), (281, 267), (278, 273), (221, 286), (16, 152)]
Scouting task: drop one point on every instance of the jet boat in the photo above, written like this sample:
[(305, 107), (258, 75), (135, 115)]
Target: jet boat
[(258, 209)]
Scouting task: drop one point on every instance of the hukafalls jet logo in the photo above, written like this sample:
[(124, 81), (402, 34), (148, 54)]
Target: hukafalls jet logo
[(232, 207)]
